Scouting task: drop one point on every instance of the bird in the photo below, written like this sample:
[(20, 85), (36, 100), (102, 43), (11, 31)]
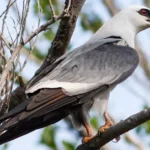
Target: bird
[(81, 78)]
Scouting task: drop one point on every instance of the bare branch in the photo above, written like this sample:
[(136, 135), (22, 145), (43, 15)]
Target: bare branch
[(22, 84), (7, 7), (52, 9), (19, 47), (133, 141), (144, 62), (63, 35), (24, 18), (120, 128), (111, 7), (68, 6), (5, 16), (58, 47)]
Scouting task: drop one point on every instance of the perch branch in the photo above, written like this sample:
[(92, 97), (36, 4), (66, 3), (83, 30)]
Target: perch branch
[(120, 128)]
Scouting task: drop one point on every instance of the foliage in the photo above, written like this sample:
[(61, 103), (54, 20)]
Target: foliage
[(48, 137)]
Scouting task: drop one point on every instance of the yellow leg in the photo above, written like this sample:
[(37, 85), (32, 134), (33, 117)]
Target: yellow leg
[(89, 133), (108, 124)]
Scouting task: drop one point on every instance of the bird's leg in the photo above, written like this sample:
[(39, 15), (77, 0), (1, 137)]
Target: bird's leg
[(89, 133), (108, 124)]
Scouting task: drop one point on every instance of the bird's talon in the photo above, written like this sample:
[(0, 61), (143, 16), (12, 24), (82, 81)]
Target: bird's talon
[(117, 139), (86, 139), (103, 128)]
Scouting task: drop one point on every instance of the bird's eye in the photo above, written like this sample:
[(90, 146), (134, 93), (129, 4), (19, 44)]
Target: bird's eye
[(143, 12)]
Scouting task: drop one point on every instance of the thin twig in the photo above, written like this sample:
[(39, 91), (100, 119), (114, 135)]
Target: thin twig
[(24, 18), (5, 16), (68, 6), (7, 7), (18, 48), (52, 9), (21, 82), (31, 45)]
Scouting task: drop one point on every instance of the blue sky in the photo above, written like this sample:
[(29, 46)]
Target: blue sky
[(122, 99)]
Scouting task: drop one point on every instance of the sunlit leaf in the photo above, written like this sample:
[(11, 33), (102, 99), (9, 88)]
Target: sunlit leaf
[(68, 146), (90, 21), (48, 137), (94, 123)]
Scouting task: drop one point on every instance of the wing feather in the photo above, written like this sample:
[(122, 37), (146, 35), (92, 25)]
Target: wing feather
[(51, 104), (104, 65)]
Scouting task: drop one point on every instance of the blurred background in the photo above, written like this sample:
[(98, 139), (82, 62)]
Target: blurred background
[(130, 97)]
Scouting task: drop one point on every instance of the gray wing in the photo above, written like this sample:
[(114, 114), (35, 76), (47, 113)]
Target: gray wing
[(70, 56), (81, 72)]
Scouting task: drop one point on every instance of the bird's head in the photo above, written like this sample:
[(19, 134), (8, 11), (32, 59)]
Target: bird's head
[(126, 24), (138, 16)]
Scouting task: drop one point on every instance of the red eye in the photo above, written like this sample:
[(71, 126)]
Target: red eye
[(143, 12)]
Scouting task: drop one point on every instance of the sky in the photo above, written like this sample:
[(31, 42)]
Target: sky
[(121, 98)]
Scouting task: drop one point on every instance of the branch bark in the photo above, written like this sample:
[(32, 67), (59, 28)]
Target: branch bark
[(20, 46), (120, 128), (58, 47), (111, 7), (63, 35)]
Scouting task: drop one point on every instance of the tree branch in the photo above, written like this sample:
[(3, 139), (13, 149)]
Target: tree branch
[(58, 46), (64, 33), (19, 47), (120, 128), (111, 7)]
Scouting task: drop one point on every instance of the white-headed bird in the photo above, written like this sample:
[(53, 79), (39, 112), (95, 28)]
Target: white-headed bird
[(80, 78)]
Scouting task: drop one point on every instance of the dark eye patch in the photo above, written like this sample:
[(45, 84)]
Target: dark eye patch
[(144, 12)]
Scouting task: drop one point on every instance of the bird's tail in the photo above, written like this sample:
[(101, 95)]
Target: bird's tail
[(26, 118), (22, 128)]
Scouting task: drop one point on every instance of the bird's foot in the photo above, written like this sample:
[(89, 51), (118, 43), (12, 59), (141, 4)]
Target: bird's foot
[(86, 139), (117, 139), (105, 127)]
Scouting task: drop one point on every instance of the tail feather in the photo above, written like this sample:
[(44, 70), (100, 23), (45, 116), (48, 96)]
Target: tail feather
[(19, 108), (22, 128), (44, 108)]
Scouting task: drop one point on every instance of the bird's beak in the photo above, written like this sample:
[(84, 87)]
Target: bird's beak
[(148, 20)]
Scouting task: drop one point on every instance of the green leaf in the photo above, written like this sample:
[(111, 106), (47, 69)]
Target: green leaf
[(94, 123), (144, 127), (48, 137), (44, 4), (36, 52), (90, 21), (68, 146), (4, 147), (49, 34)]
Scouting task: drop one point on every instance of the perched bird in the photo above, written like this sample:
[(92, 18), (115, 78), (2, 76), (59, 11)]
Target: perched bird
[(80, 78)]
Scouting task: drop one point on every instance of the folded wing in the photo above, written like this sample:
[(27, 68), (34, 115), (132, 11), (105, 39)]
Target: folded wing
[(103, 65)]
